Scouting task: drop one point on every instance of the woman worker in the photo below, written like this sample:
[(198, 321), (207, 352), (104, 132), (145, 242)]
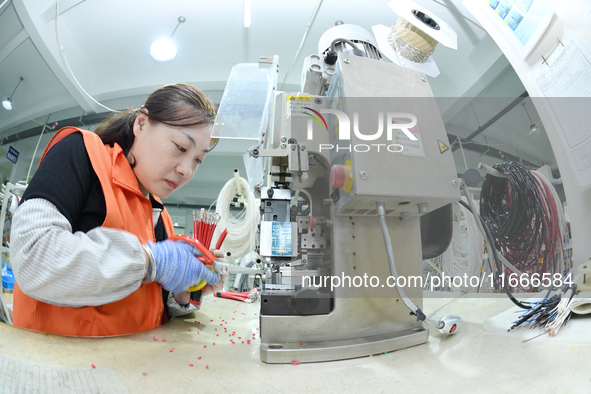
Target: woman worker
[(89, 241)]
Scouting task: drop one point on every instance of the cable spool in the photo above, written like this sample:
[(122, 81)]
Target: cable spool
[(411, 42), (417, 32), (241, 227)]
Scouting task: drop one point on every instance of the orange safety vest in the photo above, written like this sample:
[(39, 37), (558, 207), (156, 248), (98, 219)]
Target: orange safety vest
[(127, 209)]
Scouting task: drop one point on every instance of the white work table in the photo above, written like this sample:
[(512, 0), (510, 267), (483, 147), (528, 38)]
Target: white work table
[(474, 360)]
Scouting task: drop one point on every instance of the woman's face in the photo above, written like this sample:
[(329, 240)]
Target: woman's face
[(166, 157)]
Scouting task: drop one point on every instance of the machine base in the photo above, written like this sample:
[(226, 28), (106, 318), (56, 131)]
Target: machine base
[(284, 353)]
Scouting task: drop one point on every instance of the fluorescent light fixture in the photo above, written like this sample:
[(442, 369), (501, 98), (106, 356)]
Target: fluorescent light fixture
[(246, 13), (163, 50)]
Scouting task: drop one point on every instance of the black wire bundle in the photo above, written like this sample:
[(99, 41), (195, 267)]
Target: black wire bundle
[(518, 218), (540, 314)]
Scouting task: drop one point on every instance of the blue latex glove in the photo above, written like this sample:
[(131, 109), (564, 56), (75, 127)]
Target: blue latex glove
[(177, 268)]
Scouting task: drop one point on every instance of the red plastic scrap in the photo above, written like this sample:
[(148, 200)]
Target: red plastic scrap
[(199, 358), (295, 363), (171, 350), (191, 364), (93, 366)]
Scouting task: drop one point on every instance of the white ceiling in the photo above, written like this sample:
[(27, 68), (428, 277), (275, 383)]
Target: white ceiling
[(106, 43)]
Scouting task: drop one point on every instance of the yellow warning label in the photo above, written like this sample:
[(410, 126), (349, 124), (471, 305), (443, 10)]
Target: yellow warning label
[(300, 98), (442, 147)]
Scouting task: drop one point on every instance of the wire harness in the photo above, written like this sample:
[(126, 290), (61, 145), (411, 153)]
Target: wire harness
[(526, 221)]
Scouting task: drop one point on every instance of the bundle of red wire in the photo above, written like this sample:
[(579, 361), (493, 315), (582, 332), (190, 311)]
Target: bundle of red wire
[(522, 215), (204, 225)]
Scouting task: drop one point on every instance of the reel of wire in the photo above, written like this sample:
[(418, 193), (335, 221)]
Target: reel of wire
[(411, 42), (241, 226)]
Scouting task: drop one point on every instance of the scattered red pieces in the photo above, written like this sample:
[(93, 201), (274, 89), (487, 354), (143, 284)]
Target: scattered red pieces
[(198, 322), (301, 343), (154, 338), (164, 340), (170, 350), (239, 337), (214, 343), (93, 366), (295, 363), (211, 320), (199, 358), (207, 367), (217, 335), (204, 345), (191, 364), (188, 329), (145, 373), (248, 341)]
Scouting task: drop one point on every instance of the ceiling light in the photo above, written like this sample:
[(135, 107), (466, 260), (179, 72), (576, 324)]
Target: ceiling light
[(164, 49), (533, 128), (7, 104)]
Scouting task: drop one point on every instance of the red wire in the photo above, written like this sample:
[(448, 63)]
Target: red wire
[(221, 239)]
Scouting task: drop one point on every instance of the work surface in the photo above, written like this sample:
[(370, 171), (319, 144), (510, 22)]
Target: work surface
[(209, 352)]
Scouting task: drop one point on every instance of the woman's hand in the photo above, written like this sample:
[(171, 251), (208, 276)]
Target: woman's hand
[(210, 289)]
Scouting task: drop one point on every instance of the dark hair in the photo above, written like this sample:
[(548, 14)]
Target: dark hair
[(179, 105)]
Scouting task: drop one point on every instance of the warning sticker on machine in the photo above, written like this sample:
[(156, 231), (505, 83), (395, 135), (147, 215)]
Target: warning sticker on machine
[(300, 98), (442, 147), (410, 147), (299, 105)]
